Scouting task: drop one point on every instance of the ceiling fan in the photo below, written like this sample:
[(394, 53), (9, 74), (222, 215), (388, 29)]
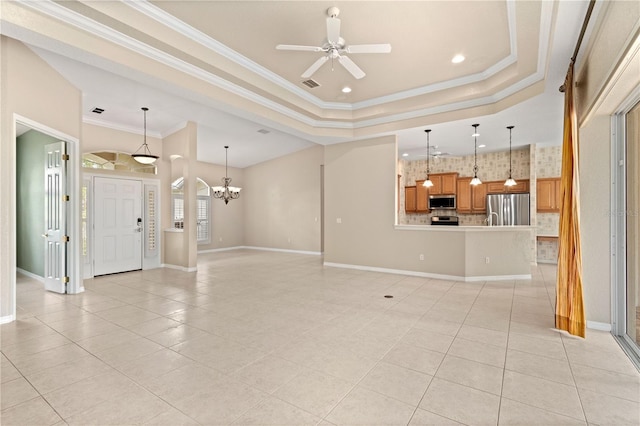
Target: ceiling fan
[(335, 48)]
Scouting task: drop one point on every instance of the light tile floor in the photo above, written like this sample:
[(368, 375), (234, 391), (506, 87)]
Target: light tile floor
[(260, 337)]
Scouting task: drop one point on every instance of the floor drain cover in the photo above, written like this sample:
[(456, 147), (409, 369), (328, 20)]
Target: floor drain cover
[(388, 296)]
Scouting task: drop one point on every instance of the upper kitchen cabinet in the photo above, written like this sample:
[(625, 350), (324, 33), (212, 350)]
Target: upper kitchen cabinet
[(471, 199), (410, 199), (548, 195), (497, 187), (422, 197), (443, 184)]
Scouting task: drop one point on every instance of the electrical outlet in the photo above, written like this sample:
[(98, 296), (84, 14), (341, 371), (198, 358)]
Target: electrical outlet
[(338, 220), (220, 239), (486, 260), (421, 256)]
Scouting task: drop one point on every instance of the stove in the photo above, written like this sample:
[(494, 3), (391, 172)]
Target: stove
[(444, 220)]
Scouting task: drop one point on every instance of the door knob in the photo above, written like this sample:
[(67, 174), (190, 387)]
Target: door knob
[(45, 235)]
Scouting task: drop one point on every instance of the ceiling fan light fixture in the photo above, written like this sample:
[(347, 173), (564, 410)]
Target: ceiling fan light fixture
[(335, 48), (144, 157)]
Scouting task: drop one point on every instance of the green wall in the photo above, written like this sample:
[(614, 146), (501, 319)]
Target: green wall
[(30, 200)]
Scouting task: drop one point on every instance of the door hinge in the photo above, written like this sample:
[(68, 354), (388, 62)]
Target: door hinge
[(65, 238), (65, 157), (65, 279), (65, 198)]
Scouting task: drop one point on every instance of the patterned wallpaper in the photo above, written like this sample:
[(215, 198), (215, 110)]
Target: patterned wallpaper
[(491, 166), (548, 161)]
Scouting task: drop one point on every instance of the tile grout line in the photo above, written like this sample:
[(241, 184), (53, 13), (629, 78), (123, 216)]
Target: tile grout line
[(506, 351), (445, 355)]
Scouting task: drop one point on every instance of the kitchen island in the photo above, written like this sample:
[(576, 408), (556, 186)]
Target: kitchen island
[(462, 253)]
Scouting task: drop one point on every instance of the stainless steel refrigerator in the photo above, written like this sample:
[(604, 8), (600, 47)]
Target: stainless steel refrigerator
[(508, 209)]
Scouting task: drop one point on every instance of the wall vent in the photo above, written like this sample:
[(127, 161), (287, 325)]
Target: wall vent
[(264, 131), (97, 110), (311, 84)]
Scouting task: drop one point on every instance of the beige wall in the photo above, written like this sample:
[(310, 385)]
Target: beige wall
[(282, 202), (32, 89), (227, 220), (595, 192)]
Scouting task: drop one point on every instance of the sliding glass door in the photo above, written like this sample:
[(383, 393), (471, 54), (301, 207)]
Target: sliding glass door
[(632, 219)]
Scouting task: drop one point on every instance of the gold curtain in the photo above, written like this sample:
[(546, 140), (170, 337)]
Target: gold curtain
[(569, 303)]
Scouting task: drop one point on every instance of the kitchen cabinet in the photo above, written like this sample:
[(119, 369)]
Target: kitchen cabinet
[(471, 199), (410, 199), (548, 195), (443, 183), (422, 197), (497, 187)]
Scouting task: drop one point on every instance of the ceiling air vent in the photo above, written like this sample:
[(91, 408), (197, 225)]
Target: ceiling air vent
[(311, 84), (264, 131), (97, 110)]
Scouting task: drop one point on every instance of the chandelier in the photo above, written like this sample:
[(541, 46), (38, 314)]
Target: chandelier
[(226, 192), (145, 157), (476, 180)]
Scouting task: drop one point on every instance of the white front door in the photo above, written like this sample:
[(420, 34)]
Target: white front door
[(55, 222), (117, 225)]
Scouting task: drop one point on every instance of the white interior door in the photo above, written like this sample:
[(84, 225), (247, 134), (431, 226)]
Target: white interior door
[(55, 221), (117, 225)]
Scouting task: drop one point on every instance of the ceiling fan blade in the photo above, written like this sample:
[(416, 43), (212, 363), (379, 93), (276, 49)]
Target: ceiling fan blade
[(368, 48), (314, 67), (297, 47), (333, 30), (351, 67)]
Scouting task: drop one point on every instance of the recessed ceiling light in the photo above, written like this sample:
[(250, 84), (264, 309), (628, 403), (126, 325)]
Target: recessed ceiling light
[(457, 59), (481, 146), (405, 155), (346, 89)]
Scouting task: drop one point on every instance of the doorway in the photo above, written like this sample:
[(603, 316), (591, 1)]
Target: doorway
[(28, 255), (118, 226), (625, 219)]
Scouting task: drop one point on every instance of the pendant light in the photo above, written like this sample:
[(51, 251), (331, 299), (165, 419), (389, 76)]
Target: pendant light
[(145, 157), (510, 181), (226, 192), (427, 183), (476, 180)]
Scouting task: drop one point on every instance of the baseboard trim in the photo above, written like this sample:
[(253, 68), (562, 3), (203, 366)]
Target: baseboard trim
[(7, 319), (315, 253), (219, 249), (428, 274), (30, 275), (600, 326), (179, 268)]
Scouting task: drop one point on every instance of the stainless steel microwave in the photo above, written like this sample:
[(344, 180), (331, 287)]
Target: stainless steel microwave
[(442, 202)]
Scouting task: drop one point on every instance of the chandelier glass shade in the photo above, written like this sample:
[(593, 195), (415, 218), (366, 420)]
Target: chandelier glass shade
[(510, 181), (226, 192), (476, 180), (144, 157), (427, 182)]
